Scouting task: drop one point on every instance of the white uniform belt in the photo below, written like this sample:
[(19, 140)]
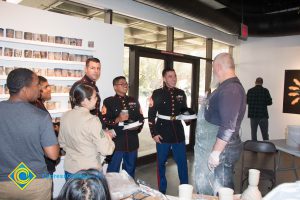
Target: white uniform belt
[(169, 117)]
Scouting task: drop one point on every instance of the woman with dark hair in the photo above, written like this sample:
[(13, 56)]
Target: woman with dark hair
[(81, 135), (85, 185)]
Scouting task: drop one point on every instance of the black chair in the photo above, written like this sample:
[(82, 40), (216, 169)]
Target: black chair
[(259, 147)]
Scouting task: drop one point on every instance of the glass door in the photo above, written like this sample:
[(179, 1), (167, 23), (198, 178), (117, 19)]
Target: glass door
[(150, 70), (145, 75), (184, 77)]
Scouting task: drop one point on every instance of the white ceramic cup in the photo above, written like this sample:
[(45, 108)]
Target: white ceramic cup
[(225, 193), (254, 176), (185, 191)]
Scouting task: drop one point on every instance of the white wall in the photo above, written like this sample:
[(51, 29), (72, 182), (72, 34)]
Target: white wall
[(109, 45), (269, 58), (109, 39)]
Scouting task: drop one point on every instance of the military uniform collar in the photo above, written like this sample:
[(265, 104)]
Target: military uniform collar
[(89, 80), (169, 89), (120, 97)]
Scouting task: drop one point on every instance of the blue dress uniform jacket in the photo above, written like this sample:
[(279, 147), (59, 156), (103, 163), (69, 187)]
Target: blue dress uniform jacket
[(168, 102), (126, 140)]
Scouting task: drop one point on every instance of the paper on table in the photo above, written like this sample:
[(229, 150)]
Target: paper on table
[(132, 125)]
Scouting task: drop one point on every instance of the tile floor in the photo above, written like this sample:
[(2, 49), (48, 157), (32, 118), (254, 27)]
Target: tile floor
[(147, 172)]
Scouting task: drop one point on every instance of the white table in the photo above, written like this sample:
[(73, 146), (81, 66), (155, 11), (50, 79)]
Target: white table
[(281, 146)]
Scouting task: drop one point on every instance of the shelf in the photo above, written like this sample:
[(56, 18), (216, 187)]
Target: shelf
[(37, 60), (60, 94), (59, 111), (6, 96), (52, 78), (47, 44)]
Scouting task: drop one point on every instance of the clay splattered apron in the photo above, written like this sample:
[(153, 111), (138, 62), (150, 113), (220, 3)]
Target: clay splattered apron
[(206, 181)]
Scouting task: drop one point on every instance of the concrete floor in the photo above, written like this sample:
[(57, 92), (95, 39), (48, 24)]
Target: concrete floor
[(147, 172)]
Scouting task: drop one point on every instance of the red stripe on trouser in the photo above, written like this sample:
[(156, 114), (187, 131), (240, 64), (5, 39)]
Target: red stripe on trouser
[(157, 172)]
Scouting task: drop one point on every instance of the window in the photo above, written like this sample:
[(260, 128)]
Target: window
[(142, 33), (189, 44), (219, 47)]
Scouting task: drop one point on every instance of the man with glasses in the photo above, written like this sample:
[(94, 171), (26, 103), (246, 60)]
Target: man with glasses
[(117, 112)]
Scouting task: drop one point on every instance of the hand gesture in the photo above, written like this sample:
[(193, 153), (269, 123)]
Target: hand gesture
[(157, 139)]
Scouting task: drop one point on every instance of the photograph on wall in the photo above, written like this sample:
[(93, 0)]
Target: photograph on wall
[(291, 96)]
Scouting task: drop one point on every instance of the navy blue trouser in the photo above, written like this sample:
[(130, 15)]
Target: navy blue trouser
[(179, 155), (129, 162)]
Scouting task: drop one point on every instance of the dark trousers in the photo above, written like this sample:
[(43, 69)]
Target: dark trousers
[(179, 155), (263, 124), (129, 162)]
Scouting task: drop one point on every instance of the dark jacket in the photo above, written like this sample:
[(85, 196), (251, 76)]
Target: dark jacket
[(258, 98), (50, 163), (88, 81), (168, 102), (126, 140)]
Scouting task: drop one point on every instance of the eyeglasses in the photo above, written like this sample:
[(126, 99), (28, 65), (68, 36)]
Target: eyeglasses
[(122, 84)]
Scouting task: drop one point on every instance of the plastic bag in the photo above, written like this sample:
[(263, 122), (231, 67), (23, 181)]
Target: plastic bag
[(121, 185)]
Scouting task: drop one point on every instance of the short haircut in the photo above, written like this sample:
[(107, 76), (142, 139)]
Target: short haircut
[(96, 60), (226, 60), (42, 79), (19, 78), (167, 70), (259, 81), (116, 80), (85, 184), (80, 92)]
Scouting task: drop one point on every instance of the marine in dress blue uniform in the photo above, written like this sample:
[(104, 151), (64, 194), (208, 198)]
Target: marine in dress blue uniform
[(166, 105), (126, 141)]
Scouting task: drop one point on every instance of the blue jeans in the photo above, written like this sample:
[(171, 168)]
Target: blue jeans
[(179, 154), (129, 162), (263, 124)]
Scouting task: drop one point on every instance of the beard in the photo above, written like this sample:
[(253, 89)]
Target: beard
[(214, 82)]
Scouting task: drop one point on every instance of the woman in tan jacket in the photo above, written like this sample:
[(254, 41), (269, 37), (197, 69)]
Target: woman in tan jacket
[(81, 135)]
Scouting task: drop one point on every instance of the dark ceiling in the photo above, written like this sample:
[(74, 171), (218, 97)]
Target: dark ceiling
[(263, 17)]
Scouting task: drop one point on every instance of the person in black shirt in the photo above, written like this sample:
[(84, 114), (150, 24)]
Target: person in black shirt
[(116, 112), (167, 131), (45, 95), (258, 98), (92, 74)]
